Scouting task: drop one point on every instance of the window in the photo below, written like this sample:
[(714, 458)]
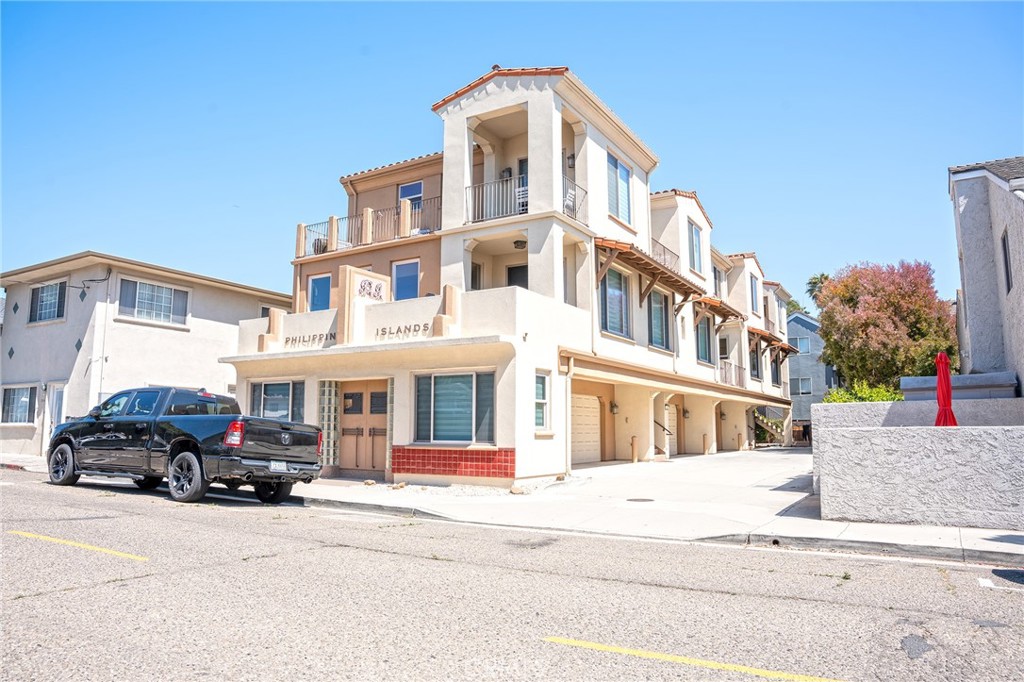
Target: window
[(776, 369), (413, 192), (704, 343), (19, 405), (803, 386), (405, 279), (319, 292), (723, 348), (48, 302), (378, 402), (279, 400), (755, 361), (113, 406), (1006, 260), (147, 301), (717, 276), (754, 302), (695, 251), (518, 276), (618, 189), (615, 303), (143, 403), (801, 343), (658, 321), (540, 418), (455, 407), (352, 403), (187, 402)]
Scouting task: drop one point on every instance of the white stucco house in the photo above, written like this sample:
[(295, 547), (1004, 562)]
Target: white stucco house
[(79, 328), (519, 304)]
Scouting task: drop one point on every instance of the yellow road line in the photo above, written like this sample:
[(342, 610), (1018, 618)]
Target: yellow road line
[(685, 660), (93, 548)]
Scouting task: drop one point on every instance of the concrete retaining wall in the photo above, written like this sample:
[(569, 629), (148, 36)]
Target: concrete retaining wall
[(962, 476), (1008, 412)]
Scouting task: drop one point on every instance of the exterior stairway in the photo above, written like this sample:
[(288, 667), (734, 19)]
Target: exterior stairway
[(771, 420)]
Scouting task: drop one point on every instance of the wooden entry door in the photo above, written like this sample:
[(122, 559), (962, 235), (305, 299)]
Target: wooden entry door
[(363, 425)]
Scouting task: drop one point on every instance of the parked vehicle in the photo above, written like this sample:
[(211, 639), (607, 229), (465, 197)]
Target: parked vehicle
[(191, 438)]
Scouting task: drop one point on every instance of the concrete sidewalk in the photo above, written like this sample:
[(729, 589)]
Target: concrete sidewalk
[(760, 498)]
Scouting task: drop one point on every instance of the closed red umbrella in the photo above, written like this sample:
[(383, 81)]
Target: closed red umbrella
[(943, 392)]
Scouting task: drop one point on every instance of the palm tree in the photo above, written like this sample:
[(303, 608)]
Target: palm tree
[(814, 285)]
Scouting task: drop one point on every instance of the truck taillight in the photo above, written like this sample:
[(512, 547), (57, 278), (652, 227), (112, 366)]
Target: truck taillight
[(319, 444), (235, 434)]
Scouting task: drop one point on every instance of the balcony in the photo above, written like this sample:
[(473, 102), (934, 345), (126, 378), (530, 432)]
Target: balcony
[(664, 255), (769, 326), (511, 196), (372, 226), (732, 374)]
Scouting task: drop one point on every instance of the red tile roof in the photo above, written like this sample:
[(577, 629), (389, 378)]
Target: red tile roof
[(500, 72), (343, 178), (687, 195)]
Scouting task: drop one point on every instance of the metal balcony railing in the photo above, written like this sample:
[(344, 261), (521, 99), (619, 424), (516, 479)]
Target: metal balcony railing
[(769, 324), (316, 238), (732, 374), (426, 216), (497, 199), (385, 224), (350, 230), (409, 219), (664, 255), (574, 200)]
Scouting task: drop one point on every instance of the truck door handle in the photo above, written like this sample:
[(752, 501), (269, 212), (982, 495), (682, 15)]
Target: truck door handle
[(141, 426), (107, 427)]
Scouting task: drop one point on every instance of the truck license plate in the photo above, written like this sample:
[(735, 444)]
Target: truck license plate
[(279, 467)]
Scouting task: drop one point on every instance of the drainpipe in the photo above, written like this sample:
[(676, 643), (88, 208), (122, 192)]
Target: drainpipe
[(568, 414), (103, 344)]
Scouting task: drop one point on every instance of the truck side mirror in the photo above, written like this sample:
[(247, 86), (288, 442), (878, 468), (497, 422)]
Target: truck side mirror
[(95, 412)]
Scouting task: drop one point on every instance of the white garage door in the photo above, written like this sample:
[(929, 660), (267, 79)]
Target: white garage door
[(672, 424), (586, 429)]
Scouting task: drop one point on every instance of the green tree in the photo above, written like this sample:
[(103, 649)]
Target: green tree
[(814, 285), (795, 306), (883, 322)]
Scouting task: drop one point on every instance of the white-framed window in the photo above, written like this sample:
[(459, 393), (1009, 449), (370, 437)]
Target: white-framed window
[(695, 251), (755, 302), (723, 348), (19, 405), (618, 189), (319, 288), (776, 370), (541, 408), (405, 279), (615, 303), (1005, 242), (455, 408), (719, 282), (413, 192), (278, 400), (803, 386), (704, 340), (801, 343), (155, 302), (755, 361), (659, 321), (48, 302)]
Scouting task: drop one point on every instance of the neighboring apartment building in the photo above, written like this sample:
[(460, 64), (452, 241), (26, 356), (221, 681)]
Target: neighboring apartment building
[(810, 378), (519, 304), (988, 207), (79, 328)]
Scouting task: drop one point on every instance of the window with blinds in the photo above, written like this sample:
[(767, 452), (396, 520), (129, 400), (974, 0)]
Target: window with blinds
[(618, 189), (455, 408), (704, 342), (615, 303), (147, 301), (48, 302), (658, 321)]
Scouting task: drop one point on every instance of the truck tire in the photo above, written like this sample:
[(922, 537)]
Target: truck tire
[(61, 466), (149, 482), (185, 479), (273, 493)]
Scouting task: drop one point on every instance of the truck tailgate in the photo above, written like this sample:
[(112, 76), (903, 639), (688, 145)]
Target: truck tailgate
[(282, 441)]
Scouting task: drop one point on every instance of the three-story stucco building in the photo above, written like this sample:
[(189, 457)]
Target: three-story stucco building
[(519, 303)]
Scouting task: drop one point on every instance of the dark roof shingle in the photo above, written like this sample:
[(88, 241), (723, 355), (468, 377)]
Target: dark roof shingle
[(1004, 169)]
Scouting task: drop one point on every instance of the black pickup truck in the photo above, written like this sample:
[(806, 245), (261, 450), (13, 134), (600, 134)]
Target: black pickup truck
[(191, 438)]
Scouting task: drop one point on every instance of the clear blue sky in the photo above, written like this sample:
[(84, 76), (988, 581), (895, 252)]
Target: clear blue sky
[(197, 135)]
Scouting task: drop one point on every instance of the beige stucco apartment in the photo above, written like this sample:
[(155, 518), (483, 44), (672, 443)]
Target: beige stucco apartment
[(520, 304), (79, 328)]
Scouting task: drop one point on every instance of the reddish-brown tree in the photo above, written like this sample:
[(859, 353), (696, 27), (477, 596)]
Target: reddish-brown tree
[(882, 322)]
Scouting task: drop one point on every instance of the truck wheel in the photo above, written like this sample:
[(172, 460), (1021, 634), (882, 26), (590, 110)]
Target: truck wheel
[(185, 478), (149, 482), (62, 466), (273, 493)]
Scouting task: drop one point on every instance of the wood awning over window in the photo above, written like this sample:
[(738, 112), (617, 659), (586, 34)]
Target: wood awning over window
[(628, 254), (717, 306), (767, 337)]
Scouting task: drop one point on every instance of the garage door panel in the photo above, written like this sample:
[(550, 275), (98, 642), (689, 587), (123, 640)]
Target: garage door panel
[(586, 429)]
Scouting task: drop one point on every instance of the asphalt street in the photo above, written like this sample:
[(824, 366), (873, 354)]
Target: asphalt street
[(102, 581)]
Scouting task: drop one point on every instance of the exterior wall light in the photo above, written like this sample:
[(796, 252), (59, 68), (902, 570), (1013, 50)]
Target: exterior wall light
[(686, 414), (570, 161), (520, 244), (722, 415), (614, 407)]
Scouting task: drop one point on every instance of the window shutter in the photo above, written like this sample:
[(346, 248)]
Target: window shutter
[(485, 407), (179, 307), (33, 313), (126, 304), (62, 290), (613, 186), (423, 408)]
